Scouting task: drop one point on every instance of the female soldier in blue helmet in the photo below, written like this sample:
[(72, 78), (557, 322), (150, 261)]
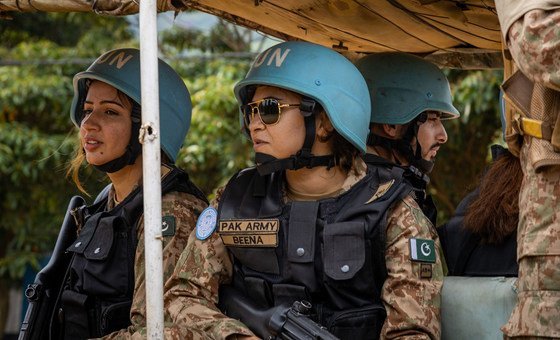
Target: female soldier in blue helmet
[(104, 291), (307, 223)]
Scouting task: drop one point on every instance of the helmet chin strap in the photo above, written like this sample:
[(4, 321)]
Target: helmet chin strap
[(267, 164), (133, 149), (419, 166)]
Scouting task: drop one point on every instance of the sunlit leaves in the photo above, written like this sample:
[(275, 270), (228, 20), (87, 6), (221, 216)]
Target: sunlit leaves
[(215, 146)]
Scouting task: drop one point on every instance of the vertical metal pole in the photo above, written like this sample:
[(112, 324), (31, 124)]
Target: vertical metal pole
[(151, 169)]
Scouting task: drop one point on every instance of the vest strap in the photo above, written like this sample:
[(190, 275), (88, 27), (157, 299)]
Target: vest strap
[(258, 290), (287, 294), (76, 321), (301, 235), (532, 127)]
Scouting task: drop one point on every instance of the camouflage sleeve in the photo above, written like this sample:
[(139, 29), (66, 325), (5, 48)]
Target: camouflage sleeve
[(192, 292), (534, 43), (412, 292), (179, 212)]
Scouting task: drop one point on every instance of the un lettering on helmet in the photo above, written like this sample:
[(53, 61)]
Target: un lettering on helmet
[(115, 58), (277, 56)]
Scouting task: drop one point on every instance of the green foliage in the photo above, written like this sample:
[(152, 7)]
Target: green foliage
[(73, 30), (222, 37), (215, 147), (461, 161), (30, 167)]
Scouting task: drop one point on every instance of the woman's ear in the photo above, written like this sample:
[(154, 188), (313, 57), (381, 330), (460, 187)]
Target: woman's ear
[(324, 127)]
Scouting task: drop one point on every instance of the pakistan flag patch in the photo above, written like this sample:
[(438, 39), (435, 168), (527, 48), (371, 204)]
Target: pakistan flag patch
[(422, 250), (168, 226)]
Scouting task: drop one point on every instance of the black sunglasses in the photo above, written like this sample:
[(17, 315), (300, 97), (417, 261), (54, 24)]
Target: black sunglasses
[(268, 110)]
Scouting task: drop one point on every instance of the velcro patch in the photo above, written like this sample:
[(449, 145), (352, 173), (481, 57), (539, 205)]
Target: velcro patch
[(168, 225), (250, 233), (425, 270), (422, 250)]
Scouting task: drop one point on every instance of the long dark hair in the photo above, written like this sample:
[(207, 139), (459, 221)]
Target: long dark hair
[(494, 214)]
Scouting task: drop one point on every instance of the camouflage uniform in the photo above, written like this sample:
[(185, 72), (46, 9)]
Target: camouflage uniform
[(412, 302), (192, 291), (533, 38), (185, 208)]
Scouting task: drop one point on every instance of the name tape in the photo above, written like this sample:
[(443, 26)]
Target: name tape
[(249, 233)]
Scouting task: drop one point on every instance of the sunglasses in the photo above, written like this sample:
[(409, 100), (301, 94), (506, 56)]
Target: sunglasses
[(268, 110)]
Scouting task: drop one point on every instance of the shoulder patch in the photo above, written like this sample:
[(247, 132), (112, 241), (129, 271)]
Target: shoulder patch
[(206, 223), (422, 250), (168, 225), (381, 190)]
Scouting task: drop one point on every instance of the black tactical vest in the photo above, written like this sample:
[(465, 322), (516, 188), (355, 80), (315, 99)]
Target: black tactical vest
[(99, 286), (329, 252), (418, 182)]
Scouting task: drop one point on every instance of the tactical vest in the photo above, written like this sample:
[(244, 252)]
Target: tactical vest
[(418, 181), (99, 285), (330, 252), (536, 111)]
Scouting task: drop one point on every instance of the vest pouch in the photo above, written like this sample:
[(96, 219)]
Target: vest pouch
[(358, 323), (258, 259), (75, 315), (343, 249), (114, 317), (106, 269), (85, 235)]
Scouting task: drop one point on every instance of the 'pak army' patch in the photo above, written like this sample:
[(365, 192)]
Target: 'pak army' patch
[(206, 223), (422, 250), (168, 225), (250, 233)]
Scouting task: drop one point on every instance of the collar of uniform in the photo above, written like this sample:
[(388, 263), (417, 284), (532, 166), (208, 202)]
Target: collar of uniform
[(112, 202)]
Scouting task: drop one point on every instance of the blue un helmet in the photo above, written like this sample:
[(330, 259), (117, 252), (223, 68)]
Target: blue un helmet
[(403, 87), (120, 68), (321, 76)]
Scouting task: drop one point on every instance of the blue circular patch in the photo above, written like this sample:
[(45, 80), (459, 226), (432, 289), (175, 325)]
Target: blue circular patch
[(206, 223)]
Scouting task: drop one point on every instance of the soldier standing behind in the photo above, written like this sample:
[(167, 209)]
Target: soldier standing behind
[(349, 239), (531, 30)]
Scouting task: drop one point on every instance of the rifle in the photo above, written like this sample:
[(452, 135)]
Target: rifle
[(280, 322), (43, 293)]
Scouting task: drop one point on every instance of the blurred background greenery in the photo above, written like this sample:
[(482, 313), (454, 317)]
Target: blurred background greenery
[(40, 53)]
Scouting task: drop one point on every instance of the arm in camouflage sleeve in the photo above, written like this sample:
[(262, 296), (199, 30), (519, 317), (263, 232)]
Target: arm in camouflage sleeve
[(192, 292), (185, 209), (534, 39), (412, 302)]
